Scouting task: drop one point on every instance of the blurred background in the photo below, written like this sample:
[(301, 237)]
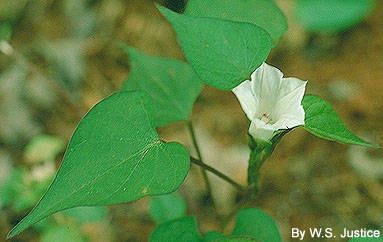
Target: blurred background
[(60, 57)]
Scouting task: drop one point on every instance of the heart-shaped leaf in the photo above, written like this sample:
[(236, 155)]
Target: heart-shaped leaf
[(183, 229), (322, 121), (237, 239), (255, 223), (87, 214), (222, 52), (62, 234), (332, 15), (367, 239), (167, 207), (264, 13), (114, 156), (211, 236), (5, 31), (172, 86)]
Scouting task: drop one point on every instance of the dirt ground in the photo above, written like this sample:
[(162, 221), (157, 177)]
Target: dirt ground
[(308, 182)]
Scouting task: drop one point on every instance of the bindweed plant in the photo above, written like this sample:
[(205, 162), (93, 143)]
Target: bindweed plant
[(116, 155)]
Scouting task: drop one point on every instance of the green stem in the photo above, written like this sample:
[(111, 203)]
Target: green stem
[(260, 152), (203, 171), (257, 158), (219, 174)]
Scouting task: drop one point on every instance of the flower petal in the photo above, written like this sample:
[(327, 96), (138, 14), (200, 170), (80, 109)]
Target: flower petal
[(266, 80), (292, 86), (260, 130), (271, 102), (290, 101), (291, 119), (246, 98)]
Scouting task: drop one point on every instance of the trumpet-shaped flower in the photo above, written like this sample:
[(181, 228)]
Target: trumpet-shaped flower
[(271, 102)]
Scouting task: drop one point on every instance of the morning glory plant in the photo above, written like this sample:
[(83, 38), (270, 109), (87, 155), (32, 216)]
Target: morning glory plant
[(273, 104), (116, 155)]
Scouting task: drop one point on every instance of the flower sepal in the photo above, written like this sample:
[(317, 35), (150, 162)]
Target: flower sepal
[(260, 151), (258, 145)]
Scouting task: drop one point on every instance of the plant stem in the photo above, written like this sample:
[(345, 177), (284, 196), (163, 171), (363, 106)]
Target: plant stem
[(203, 171), (260, 152), (257, 158), (218, 173)]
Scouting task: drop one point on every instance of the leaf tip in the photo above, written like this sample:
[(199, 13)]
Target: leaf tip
[(167, 13), (13, 232), (131, 51), (160, 8), (373, 145), (21, 226)]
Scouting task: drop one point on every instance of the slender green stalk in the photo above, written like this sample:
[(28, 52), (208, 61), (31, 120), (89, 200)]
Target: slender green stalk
[(219, 174), (260, 152), (203, 171), (257, 158)]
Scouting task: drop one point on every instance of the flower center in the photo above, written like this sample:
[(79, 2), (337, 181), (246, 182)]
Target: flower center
[(266, 117)]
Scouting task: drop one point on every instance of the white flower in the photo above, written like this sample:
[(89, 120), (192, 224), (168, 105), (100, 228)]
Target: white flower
[(271, 102)]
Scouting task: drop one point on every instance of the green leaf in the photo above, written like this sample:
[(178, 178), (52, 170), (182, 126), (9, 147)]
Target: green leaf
[(172, 86), (237, 239), (183, 229), (332, 15), (12, 186), (114, 156), (167, 207), (62, 234), (20, 191), (255, 223), (213, 236), (5, 31), (264, 13), (87, 214), (322, 121), (222, 52), (380, 239)]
